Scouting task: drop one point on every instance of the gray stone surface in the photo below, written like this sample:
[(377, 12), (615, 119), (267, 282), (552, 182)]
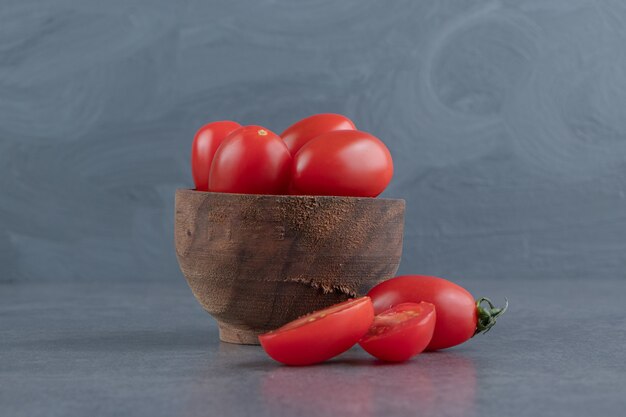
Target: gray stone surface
[(506, 120), (149, 350)]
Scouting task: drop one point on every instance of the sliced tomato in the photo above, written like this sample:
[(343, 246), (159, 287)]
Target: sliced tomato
[(401, 332), (321, 335)]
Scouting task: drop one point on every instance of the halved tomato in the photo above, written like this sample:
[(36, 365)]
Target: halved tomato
[(321, 335), (401, 332)]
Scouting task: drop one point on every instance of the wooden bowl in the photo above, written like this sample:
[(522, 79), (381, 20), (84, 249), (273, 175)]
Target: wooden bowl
[(256, 262)]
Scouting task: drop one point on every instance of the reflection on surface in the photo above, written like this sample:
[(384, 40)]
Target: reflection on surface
[(242, 380), (328, 389), (431, 384)]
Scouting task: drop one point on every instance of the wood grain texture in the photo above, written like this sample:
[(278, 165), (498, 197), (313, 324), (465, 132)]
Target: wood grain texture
[(506, 120), (257, 262)]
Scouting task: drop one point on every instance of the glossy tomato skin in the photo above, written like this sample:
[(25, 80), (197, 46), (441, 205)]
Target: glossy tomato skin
[(321, 335), (342, 163), (301, 132), (251, 160), (205, 143), (455, 306), (400, 333)]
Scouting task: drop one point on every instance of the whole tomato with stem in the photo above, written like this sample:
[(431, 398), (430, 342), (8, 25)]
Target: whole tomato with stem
[(206, 141), (251, 160), (301, 132), (342, 163), (321, 335), (459, 316)]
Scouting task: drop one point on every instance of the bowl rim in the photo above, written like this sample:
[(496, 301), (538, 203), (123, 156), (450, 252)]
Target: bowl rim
[(282, 196)]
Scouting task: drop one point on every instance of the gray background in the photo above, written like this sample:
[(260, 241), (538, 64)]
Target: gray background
[(506, 120)]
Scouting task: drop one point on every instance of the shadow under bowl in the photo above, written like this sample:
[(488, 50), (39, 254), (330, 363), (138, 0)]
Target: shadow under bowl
[(256, 262)]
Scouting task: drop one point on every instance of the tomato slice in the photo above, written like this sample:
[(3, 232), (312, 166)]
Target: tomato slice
[(321, 335), (401, 332)]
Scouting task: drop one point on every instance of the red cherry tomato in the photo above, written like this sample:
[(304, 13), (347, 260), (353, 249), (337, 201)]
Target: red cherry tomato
[(320, 335), (251, 160), (459, 317), (299, 133), (401, 332), (343, 162), (205, 143)]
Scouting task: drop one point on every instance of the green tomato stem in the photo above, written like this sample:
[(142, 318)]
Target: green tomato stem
[(487, 316)]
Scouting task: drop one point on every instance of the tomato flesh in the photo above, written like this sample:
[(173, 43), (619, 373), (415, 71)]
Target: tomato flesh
[(205, 143), (321, 335), (301, 132), (401, 332), (456, 308)]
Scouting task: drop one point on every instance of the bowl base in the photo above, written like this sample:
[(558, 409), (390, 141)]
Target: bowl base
[(239, 336)]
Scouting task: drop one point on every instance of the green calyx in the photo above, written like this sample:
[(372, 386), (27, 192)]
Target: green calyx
[(487, 316)]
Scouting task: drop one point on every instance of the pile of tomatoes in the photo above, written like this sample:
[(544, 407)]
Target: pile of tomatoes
[(398, 319), (323, 154)]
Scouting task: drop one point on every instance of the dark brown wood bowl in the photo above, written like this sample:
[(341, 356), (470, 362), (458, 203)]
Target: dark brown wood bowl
[(256, 262)]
